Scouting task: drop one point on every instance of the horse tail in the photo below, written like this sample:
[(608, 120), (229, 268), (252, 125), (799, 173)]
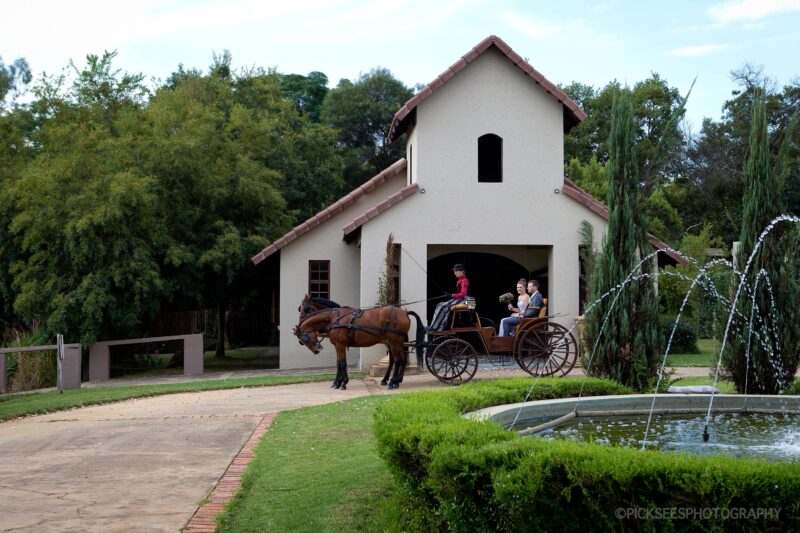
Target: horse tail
[(420, 338)]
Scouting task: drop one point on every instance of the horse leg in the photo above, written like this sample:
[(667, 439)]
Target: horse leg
[(338, 381), (385, 379), (343, 366), (341, 371), (399, 365)]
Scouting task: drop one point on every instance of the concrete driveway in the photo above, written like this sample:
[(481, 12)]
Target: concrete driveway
[(146, 464), (139, 465)]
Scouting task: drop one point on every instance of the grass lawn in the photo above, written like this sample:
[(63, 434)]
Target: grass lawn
[(45, 402), (316, 469), (723, 386), (708, 356)]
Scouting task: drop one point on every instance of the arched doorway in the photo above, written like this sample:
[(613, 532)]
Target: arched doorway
[(490, 275)]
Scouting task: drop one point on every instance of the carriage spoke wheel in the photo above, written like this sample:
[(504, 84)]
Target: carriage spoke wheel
[(430, 348), (546, 349), (454, 362)]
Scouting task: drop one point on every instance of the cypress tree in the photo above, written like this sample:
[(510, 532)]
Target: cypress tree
[(773, 352), (626, 347)]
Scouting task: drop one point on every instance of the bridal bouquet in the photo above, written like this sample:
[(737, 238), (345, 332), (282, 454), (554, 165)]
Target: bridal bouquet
[(507, 298)]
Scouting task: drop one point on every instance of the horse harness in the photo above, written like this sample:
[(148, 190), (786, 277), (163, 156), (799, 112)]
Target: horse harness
[(353, 327), (390, 325)]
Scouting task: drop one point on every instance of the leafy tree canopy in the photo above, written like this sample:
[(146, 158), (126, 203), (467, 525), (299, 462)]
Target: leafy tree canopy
[(362, 112)]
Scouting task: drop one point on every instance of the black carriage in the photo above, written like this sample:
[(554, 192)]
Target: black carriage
[(540, 346)]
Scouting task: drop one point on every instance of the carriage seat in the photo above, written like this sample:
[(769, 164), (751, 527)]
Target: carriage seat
[(469, 304), (526, 321)]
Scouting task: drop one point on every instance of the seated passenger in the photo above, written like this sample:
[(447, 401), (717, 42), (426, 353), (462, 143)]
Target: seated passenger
[(508, 324), (442, 312), (536, 302), (531, 310)]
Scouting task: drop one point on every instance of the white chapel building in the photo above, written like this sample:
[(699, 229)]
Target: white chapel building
[(482, 184)]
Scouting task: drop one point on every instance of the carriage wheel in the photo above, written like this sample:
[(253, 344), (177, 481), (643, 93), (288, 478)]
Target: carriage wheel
[(454, 361), (545, 349), (430, 348)]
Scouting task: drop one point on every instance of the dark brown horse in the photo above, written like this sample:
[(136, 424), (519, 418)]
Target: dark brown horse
[(347, 327), (309, 305)]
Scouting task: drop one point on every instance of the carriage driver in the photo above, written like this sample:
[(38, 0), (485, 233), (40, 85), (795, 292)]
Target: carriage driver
[(442, 312)]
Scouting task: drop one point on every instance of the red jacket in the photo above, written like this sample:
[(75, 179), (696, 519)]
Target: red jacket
[(463, 286)]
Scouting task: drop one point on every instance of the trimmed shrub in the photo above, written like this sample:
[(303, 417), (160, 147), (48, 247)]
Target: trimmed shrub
[(466, 475), (685, 339)]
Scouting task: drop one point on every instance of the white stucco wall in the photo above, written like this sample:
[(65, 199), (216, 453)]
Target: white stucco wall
[(324, 243), (490, 95), (455, 212)]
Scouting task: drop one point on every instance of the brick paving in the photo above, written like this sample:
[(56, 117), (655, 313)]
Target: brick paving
[(204, 519)]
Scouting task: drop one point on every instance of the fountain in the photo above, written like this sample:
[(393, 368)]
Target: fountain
[(742, 425)]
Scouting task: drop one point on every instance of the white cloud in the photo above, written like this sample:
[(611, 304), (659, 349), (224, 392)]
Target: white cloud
[(743, 10), (539, 30), (700, 50)]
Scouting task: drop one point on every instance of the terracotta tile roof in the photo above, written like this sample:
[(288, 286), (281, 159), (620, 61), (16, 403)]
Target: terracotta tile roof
[(331, 210), (572, 113), (379, 208), (583, 197)]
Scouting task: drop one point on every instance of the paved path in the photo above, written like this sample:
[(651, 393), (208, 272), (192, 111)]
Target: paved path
[(140, 465), (146, 464)]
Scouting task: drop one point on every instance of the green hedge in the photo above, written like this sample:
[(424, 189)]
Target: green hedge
[(685, 338), (464, 475)]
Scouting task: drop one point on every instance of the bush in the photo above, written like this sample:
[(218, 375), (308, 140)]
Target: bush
[(465, 475), (30, 370), (685, 339), (794, 388)]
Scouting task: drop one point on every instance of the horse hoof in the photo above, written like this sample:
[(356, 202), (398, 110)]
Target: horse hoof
[(393, 386), (343, 387), (384, 382), (333, 385)]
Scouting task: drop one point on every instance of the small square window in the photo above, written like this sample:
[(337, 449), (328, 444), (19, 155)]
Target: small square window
[(319, 279)]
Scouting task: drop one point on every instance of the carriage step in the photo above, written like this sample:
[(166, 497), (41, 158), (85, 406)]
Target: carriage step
[(379, 368)]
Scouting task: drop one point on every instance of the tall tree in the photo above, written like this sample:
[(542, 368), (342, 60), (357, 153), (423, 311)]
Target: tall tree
[(623, 347), (15, 153), (306, 92), (362, 112), (237, 166), (659, 145), (219, 196), (657, 112), (714, 172), (765, 361), (13, 77), (84, 222)]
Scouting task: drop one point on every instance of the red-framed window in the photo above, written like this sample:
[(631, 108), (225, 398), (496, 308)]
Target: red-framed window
[(319, 279)]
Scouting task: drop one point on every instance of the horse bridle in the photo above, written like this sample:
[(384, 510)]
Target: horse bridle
[(303, 337)]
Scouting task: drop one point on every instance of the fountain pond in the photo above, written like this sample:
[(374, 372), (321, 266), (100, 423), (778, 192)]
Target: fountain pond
[(766, 427)]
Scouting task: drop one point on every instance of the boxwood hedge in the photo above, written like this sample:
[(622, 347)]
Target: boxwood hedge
[(463, 475)]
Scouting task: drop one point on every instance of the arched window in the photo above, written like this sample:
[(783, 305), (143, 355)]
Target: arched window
[(490, 158)]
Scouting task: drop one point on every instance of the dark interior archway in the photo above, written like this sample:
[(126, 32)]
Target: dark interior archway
[(490, 275)]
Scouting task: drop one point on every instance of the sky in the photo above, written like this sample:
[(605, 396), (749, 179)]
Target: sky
[(589, 42)]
